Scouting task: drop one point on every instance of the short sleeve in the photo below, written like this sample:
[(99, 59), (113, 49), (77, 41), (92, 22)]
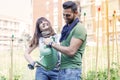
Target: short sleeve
[(80, 32)]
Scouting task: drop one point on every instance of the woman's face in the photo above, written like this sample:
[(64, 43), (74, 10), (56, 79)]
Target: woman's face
[(45, 29), (44, 26)]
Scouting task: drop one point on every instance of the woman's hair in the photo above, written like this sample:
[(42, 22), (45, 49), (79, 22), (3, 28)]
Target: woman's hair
[(37, 33)]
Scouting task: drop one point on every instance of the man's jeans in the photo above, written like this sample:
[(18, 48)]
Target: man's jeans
[(42, 74), (69, 74)]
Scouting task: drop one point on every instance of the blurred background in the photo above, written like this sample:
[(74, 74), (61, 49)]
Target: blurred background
[(100, 17)]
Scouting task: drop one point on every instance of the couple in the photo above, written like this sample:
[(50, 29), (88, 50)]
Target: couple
[(52, 65)]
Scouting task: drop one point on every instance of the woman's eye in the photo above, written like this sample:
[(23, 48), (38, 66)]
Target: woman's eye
[(43, 25), (47, 24)]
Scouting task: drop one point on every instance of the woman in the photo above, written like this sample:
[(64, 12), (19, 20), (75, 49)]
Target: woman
[(48, 65)]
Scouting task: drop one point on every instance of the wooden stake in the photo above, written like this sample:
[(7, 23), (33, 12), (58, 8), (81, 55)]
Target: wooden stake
[(116, 40), (108, 55), (11, 60), (97, 48), (84, 58), (113, 39)]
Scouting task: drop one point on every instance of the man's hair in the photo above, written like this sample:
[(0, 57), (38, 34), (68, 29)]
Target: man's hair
[(70, 4)]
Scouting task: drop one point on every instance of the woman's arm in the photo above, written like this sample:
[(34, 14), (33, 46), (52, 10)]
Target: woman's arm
[(27, 54)]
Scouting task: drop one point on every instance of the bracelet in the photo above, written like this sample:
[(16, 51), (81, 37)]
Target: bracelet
[(31, 66)]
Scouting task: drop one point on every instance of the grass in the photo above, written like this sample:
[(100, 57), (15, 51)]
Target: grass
[(21, 72)]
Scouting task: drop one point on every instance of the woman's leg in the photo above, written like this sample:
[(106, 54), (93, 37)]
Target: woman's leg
[(41, 74)]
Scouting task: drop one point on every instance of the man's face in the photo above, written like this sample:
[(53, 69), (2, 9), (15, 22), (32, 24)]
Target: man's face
[(68, 15)]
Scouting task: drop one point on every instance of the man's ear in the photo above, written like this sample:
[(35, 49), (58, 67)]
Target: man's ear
[(76, 12)]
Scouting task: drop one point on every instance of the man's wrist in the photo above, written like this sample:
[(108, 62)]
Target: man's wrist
[(50, 44)]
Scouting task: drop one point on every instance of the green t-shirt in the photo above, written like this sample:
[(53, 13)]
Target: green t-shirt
[(78, 32), (48, 56)]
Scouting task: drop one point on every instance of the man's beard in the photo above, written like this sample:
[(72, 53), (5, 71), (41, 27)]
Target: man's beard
[(69, 21)]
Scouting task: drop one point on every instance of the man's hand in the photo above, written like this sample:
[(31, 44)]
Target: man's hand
[(48, 42)]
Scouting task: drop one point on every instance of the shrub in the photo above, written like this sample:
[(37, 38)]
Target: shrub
[(3, 78), (102, 75)]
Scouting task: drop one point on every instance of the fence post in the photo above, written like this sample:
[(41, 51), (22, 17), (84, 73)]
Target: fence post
[(11, 59)]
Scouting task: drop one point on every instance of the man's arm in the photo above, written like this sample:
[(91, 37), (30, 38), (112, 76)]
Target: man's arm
[(69, 50)]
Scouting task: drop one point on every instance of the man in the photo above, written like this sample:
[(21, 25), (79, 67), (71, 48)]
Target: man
[(72, 43)]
